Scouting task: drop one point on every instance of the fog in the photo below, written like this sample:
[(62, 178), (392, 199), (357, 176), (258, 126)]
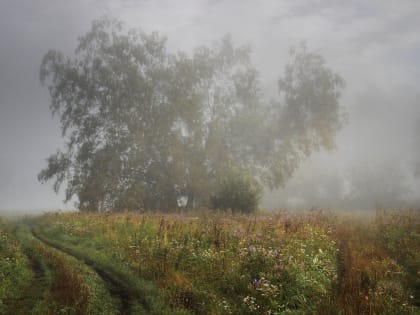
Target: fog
[(373, 45)]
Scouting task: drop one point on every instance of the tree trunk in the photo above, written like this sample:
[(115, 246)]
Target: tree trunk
[(190, 201)]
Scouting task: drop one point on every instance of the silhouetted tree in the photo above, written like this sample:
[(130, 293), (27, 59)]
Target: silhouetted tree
[(145, 127)]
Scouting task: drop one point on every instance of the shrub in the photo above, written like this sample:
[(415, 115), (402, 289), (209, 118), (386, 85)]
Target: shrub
[(236, 190)]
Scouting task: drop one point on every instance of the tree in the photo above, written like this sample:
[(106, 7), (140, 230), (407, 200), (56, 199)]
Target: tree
[(307, 116), (145, 126)]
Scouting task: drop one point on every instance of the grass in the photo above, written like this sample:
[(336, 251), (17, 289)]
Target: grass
[(15, 271), (313, 262), (48, 281)]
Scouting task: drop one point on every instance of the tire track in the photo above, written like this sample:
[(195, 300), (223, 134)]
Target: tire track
[(36, 288), (40, 283), (113, 285)]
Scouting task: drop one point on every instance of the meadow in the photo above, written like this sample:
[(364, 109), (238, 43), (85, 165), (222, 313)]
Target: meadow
[(308, 262)]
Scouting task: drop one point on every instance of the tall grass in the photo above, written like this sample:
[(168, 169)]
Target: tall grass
[(218, 263), (314, 262)]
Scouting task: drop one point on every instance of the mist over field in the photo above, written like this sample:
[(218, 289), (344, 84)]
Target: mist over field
[(209, 157), (374, 46)]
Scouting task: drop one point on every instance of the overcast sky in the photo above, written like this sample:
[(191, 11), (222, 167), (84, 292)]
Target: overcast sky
[(373, 45)]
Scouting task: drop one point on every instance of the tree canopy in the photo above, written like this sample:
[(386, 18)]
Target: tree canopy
[(145, 127)]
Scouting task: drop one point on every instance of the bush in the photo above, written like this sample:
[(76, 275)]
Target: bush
[(236, 190)]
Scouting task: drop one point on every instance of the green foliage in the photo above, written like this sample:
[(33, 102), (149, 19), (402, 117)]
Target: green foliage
[(15, 271), (145, 127), (236, 190), (37, 279)]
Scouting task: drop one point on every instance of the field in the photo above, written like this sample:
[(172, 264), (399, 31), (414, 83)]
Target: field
[(314, 262)]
